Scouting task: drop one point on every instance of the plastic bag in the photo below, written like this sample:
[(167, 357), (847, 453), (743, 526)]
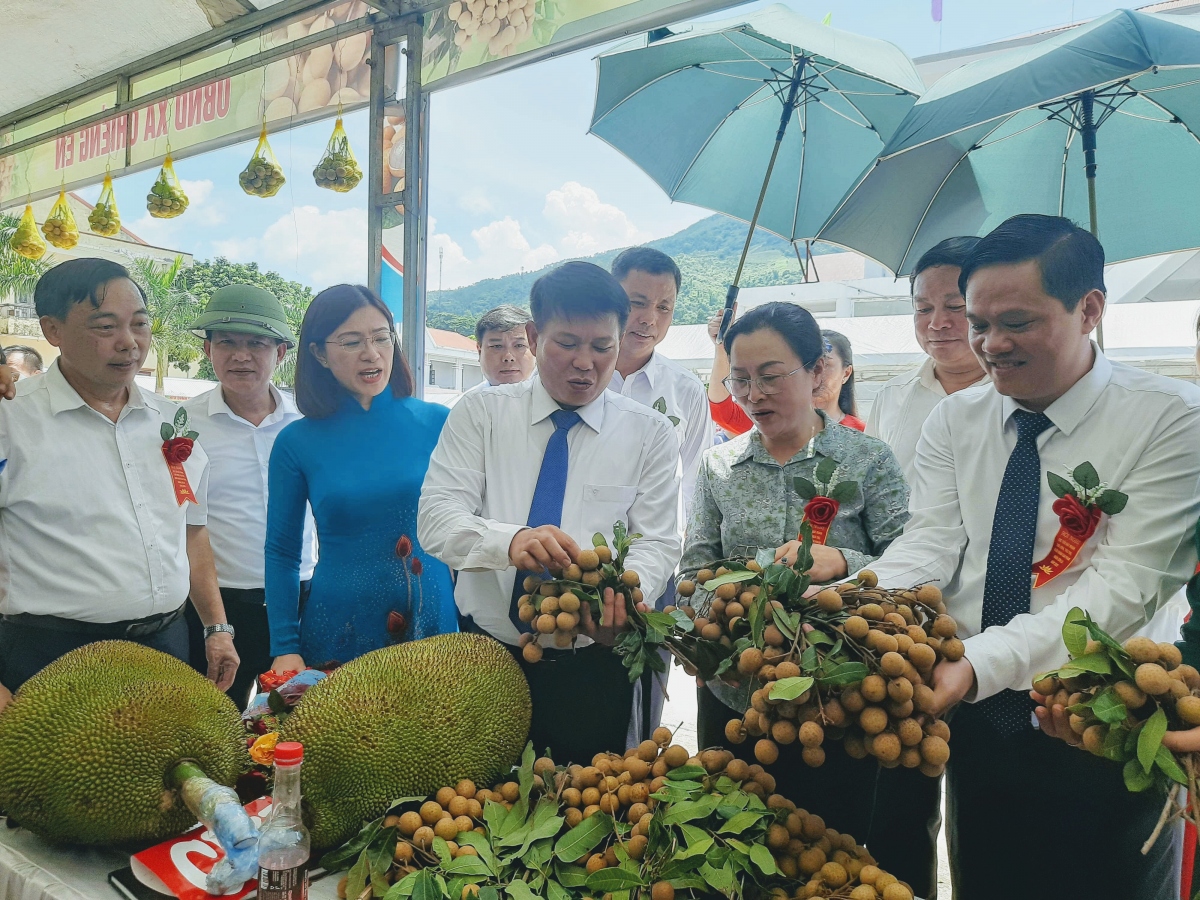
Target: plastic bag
[(338, 169), (26, 241), (60, 228), (104, 218), (263, 176), (166, 199)]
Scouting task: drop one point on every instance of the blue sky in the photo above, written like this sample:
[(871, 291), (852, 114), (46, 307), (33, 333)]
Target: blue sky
[(515, 180)]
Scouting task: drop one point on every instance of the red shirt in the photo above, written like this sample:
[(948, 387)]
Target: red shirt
[(729, 416)]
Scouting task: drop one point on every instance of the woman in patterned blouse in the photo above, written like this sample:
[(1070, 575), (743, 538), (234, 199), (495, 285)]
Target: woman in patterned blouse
[(746, 501)]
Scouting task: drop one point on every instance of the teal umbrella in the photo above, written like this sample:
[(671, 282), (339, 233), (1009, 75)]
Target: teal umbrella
[(1098, 124), (768, 118)]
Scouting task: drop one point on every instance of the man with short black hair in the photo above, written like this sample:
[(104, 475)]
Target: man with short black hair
[(504, 354), (984, 525), (24, 359), (524, 474), (939, 320), (95, 476)]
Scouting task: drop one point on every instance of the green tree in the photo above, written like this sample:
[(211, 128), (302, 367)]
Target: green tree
[(18, 275), (172, 308)]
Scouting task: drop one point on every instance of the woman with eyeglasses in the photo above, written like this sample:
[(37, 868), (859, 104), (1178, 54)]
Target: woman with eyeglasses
[(358, 458), (746, 501)]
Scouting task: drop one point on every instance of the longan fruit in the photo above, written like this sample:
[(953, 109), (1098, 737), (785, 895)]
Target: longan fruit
[(874, 689), (829, 600), (409, 822), (871, 611), (891, 664), (750, 661), (784, 731), (662, 890), (766, 752), (1094, 735), (1142, 650), (609, 804), (935, 751), (458, 806), (662, 735), (834, 874), (589, 796), (897, 891), (922, 656), (910, 757), (938, 728), (811, 861), (526, 612), (704, 576), (777, 836), (588, 560), (431, 812), (787, 669), (910, 732), (1169, 656), (773, 636), (685, 588), (444, 796), (854, 746), (953, 649), (595, 863), (765, 780), (1188, 675), (447, 829), (1153, 678), (675, 756), (929, 594), (545, 623), (711, 632), (1079, 724), (510, 791), (635, 813), (1188, 710), (853, 701), (403, 852), (589, 811), (738, 769), (734, 610), (605, 555), (873, 720), (856, 627), (868, 579), (569, 603), (549, 606), (423, 837), (811, 734), (886, 747), (462, 823), (531, 653), (904, 643), (638, 769), (735, 731), (636, 846), (864, 892), (726, 592), (813, 756)]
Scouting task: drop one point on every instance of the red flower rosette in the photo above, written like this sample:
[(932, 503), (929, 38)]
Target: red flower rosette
[(176, 452), (1077, 523), (1076, 518), (820, 512)]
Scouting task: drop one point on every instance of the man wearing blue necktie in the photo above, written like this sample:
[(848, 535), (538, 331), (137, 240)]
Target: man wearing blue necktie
[(985, 520), (524, 474)]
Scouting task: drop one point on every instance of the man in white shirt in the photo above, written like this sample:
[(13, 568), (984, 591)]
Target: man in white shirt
[(651, 279), (504, 354), (984, 522), (246, 336), (524, 474), (96, 474), (940, 323)]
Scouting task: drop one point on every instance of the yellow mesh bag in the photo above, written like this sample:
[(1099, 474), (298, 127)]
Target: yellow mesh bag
[(263, 176), (166, 199), (60, 228), (338, 169), (104, 218), (26, 240)]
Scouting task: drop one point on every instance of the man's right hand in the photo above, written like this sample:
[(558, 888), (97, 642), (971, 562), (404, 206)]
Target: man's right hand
[(544, 547), (289, 662), (5, 697), (8, 382)]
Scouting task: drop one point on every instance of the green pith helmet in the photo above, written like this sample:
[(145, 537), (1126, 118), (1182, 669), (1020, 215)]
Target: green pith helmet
[(245, 309)]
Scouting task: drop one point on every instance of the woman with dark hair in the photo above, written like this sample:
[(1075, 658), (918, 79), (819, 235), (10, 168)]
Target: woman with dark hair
[(835, 392), (358, 458)]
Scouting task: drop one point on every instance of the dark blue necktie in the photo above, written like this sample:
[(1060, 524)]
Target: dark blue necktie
[(1007, 586), (546, 508)]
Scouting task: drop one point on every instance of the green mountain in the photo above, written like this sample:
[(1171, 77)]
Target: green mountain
[(707, 254)]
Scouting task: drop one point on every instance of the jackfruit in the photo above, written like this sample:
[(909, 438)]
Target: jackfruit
[(404, 721), (88, 745)]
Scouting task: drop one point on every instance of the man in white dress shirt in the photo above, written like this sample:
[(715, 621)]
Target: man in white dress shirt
[(599, 458), (652, 281), (246, 336), (940, 323), (982, 524), (504, 354), (94, 540)]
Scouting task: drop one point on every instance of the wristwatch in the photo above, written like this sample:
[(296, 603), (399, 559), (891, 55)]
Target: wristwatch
[(210, 630)]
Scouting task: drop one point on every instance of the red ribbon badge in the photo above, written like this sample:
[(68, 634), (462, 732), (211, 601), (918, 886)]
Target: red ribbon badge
[(175, 452), (820, 512), (1077, 524)]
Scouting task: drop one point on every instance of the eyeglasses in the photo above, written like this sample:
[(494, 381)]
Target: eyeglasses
[(380, 340), (767, 384)]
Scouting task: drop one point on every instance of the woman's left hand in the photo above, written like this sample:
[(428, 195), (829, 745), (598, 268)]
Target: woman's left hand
[(828, 562)]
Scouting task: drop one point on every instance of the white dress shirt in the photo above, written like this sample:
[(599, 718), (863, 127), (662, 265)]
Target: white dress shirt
[(687, 400), (233, 493), (1142, 434), (901, 408), (89, 526), (623, 464)]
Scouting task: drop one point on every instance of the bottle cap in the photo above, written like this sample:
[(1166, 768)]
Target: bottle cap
[(288, 753)]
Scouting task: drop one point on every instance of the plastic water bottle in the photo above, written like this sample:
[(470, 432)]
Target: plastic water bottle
[(283, 844)]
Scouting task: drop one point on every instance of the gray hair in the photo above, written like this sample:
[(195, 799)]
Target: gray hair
[(502, 318)]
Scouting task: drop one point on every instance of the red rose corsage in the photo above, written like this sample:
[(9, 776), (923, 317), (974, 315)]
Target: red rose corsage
[(177, 446), (823, 498), (1082, 500)]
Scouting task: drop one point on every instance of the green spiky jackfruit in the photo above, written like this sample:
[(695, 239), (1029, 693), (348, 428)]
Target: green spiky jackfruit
[(88, 743), (404, 721)]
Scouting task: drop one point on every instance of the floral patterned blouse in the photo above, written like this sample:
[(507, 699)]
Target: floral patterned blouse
[(745, 500)]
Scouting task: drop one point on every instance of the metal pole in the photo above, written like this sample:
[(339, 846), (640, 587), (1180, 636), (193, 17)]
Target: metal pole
[(413, 333), (784, 117), (378, 62), (1088, 136)]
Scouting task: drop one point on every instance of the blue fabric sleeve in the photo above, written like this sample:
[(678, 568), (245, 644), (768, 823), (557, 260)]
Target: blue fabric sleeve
[(287, 492)]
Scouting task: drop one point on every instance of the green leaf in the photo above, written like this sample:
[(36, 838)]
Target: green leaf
[(687, 773), (761, 857), (1059, 485), (1108, 708), (276, 703), (1086, 477), (467, 865), (442, 849), (181, 419), (1114, 743), (598, 540), (1112, 502), (844, 491), (1151, 738), (660, 405), (682, 622), (608, 880), (790, 688), (336, 860), (806, 489), (674, 420), (692, 834), (736, 577), (825, 469), (740, 823), (674, 791), (1166, 761), (495, 816), (570, 876), (482, 846), (583, 837), (844, 673), (356, 878), (402, 888), (555, 891), (660, 621), (166, 432), (489, 892), (695, 850), (192, 435), (1074, 635), (718, 879), (1097, 663), (690, 810), (519, 890), (1136, 779)]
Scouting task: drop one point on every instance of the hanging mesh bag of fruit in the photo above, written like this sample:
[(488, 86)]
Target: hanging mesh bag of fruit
[(263, 176), (104, 218), (26, 241), (166, 199), (338, 169), (60, 228)]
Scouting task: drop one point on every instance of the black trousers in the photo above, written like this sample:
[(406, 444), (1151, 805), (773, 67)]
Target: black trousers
[(246, 611), (894, 813), (1032, 817), (27, 649)]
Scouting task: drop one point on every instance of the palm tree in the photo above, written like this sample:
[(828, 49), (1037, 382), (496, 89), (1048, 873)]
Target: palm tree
[(18, 275), (171, 307)]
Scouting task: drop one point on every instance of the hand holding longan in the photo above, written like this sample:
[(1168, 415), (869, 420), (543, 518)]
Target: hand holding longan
[(544, 547)]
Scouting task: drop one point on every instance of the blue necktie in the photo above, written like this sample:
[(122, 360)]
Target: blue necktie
[(546, 508), (1008, 583)]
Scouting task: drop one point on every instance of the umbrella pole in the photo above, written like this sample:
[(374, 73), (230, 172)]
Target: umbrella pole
[(784, 118), (1088, 135)]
